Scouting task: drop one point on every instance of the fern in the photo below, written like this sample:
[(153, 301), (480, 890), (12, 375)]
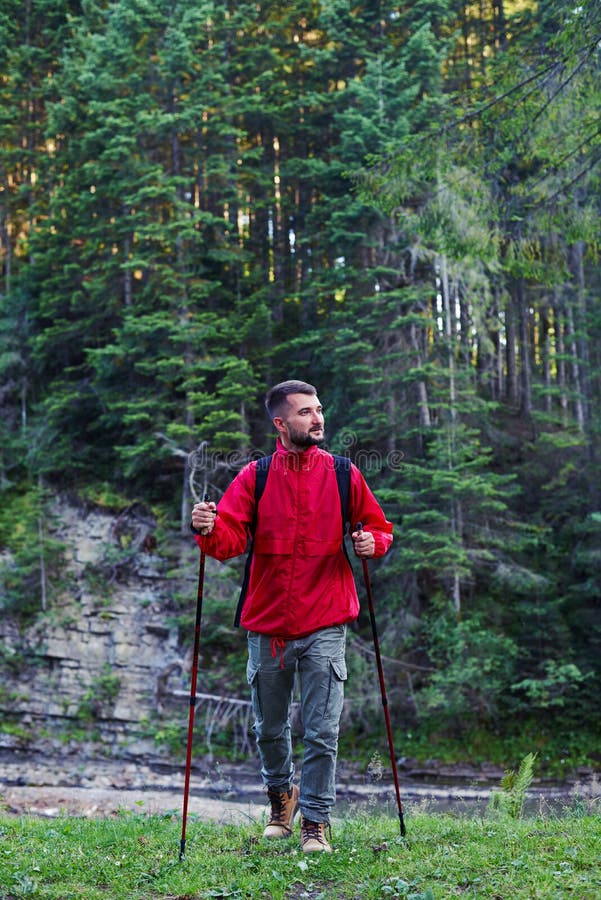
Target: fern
[(510, 799)]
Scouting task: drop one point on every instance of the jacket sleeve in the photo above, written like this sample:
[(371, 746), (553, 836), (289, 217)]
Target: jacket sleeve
[(234, 517), (364, 508)]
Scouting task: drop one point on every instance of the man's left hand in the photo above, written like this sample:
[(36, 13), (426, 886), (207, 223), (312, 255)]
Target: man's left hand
[(364, 543)]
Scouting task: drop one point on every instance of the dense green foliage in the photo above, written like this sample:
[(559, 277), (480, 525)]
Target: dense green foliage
[(136, 856), (395, 201)]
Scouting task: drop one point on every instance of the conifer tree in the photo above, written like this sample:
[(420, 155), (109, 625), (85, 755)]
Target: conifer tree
[(398, 202), (32, 35)]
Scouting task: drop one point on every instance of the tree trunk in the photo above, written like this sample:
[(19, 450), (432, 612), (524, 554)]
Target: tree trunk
[(455, 516), (511, 354), (425, 421), (6, 244), (560, 327), (499, 24), (525, 351), (576, 372), (546, 357)]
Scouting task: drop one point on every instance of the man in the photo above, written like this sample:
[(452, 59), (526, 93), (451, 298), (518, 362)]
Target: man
[(301, 595)]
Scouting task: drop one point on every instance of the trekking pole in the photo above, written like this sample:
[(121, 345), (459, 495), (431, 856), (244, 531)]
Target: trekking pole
[(372, 616), (199, 593)]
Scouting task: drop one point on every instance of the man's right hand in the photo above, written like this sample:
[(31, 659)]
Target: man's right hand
[(203, 517)]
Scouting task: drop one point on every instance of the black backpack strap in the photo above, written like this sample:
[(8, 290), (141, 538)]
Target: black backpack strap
[(342, 467), (262, 470)]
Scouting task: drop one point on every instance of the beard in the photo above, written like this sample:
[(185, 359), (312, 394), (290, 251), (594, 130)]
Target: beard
[(306, 439)]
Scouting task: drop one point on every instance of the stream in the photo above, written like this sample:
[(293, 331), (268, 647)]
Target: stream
[(50, 786)]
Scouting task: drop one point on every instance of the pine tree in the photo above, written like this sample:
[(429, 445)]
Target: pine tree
[(31, 37), (137, 318)]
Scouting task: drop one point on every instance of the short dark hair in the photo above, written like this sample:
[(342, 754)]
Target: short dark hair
[(277, 396)]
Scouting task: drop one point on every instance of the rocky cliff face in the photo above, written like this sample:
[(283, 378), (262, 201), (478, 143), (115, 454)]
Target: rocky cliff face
[(107, 656)]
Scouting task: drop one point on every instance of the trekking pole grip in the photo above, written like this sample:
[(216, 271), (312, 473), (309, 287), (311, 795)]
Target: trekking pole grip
[(206, 499)]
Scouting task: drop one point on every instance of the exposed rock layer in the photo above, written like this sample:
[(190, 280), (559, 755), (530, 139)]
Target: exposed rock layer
[(106, 657)]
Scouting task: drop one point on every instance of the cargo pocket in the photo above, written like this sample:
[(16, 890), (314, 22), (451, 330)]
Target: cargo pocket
[(252, 677), (252, 670), (335, 698)]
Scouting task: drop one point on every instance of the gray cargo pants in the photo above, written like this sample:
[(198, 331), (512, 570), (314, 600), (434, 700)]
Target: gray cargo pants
[(320, 662)]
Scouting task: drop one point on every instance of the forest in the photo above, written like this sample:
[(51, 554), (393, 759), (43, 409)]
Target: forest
[(395, 201)]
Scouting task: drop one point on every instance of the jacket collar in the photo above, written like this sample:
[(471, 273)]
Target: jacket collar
[(295, 459)]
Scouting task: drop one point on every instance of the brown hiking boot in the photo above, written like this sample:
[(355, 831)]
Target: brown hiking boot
[(313, 836), (283, 810)]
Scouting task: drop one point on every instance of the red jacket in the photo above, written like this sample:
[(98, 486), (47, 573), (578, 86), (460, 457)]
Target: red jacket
[(300, 579)]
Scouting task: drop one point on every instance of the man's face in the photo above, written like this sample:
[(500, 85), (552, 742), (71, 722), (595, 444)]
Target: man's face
[(301, 425)]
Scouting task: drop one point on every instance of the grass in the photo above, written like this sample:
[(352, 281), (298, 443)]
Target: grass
[(135, 856)]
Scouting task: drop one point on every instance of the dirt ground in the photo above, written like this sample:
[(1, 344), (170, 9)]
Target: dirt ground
[(90, 802)]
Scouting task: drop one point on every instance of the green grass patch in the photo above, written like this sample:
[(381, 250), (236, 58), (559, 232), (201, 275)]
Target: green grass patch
[(442, 856)]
